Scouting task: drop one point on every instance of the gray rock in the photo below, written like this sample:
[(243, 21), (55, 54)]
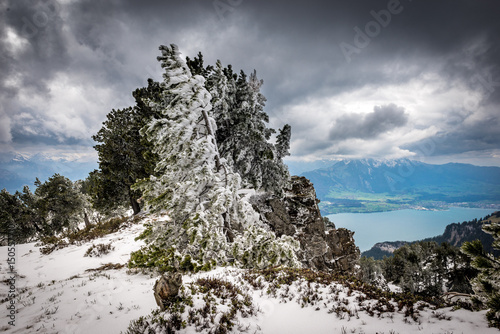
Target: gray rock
[(166, 289), (298, 215)]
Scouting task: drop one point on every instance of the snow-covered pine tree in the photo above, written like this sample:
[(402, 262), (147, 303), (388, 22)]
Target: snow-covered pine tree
[(283, 141), (193, 186), (276, 177), (197, 188), (222, 87), (486, 285), (243, 137)]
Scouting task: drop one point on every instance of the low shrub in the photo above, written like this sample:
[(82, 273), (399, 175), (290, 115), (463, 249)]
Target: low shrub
[(99, 250)]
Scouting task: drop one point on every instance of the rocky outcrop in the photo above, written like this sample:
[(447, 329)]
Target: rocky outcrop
[(298, 215), (166, 289)]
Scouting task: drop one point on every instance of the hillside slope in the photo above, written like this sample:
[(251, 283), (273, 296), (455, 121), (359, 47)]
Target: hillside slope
[(66, 292), (455, 234)]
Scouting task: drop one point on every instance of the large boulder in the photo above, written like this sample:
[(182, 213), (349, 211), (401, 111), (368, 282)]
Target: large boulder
[(298, 215), (166, 288)]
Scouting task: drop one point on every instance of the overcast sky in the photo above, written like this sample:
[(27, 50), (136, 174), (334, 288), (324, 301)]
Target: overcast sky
[(354, 79)]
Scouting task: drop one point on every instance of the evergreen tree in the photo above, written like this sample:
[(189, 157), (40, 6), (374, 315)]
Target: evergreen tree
[(58, 203), (209, 223), (429, 269), (371, 272), (242, 134), (121, 159), (487, 284), (17, 220), (196, 66), (193, 185), (144, 98), (222, 86), (283, 141), (124, 155)]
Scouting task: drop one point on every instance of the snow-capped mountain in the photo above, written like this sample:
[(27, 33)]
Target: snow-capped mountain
[(450, 182), (18, 170)]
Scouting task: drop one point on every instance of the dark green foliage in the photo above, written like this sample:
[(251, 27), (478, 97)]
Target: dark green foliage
[(124, 155), (57, 202), (121, 161), (56, 206), (153, 257), (18, 220), (105, 195), (196, 66), (423, 268), (143, 98), (487, 284), (283, 141), (164, 259)]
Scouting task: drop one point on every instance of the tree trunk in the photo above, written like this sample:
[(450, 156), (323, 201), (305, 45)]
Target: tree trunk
[(86, 219), (227, 228), (211, 133), (133, 203)]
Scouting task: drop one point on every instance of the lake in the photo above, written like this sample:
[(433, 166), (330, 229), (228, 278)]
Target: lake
[(402, 225)]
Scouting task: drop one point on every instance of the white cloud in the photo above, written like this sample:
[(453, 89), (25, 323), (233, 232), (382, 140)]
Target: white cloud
[(5, 135), (432, 105)]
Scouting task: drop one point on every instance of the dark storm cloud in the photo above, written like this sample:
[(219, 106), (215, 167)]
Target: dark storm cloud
[(40, 24), (466, 136), (381, 120), (294, 45)]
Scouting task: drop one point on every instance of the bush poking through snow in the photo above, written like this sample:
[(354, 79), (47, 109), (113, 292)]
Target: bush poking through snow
[(219, 303), (99, 250), (89, 233)]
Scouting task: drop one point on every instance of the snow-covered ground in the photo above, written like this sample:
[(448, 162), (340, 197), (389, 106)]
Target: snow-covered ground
[(57, 295)]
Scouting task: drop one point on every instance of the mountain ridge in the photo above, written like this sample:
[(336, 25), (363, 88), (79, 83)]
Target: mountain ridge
[(18, 170), (368, 185), (455, 234)]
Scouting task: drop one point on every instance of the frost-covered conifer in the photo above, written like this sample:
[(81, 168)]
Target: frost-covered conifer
[(243, 136), (222, 87), (193, 184)]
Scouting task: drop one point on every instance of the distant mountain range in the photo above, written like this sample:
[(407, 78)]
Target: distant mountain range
[(369, 185), (455, 234), (20, 170)]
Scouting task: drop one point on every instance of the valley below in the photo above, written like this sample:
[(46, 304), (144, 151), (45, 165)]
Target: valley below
[(368, 185)]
